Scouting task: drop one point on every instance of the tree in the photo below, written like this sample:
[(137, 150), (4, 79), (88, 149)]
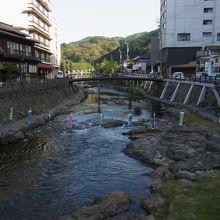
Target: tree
[(7, 70), (108, 66)]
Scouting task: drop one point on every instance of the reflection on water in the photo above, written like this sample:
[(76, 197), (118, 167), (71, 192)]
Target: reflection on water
[(61, 169)]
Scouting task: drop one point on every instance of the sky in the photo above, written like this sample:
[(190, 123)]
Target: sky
[(78, 19)]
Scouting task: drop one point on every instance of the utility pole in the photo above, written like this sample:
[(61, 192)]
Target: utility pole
[(127, 50), (120, 55)]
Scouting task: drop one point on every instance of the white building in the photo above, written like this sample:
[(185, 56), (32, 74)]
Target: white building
[(33, 16), (186, 27), (55, 47)]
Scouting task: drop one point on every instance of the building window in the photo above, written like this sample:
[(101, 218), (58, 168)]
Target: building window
[(207, 22), (32, 69), (37, 54), (163, 5), (183, 37), (164, 15), (207, 34), (11, 47), (218, 36), (164, 25), (208, 10)]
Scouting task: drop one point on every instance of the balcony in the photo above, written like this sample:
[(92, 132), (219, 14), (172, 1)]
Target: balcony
[(33, 10), (35, 29), (21, 56)]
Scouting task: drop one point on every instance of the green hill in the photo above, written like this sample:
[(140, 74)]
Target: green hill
[(96, 49), (89, 49)]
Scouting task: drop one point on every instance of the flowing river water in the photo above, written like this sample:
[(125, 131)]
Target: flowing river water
[(61, 169)]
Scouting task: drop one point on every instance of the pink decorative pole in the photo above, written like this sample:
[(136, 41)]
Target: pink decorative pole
[(71, 120)]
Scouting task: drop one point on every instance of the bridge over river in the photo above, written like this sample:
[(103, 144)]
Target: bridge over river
[(148, 82)]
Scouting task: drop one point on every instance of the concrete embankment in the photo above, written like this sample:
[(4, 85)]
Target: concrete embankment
[(156, 89), (18, 130), (206, 109)]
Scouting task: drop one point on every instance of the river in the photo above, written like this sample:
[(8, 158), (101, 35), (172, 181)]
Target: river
[(61, 169)]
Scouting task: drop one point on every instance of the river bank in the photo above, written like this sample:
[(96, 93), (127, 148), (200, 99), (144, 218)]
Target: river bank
[(19, 130), (186, 158)]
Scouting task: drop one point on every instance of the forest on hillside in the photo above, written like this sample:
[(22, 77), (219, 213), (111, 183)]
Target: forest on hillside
[(93, 50)]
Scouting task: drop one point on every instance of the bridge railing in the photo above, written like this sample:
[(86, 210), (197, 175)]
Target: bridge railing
[(106, 75), (202, 79)]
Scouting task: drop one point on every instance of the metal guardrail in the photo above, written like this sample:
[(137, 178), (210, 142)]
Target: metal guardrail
[(201, 79)]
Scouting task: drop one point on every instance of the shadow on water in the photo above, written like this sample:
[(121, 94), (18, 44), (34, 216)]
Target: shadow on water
[(61, 168)]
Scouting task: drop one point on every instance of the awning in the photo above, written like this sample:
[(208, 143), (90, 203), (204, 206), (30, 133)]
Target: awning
[(45, 66)]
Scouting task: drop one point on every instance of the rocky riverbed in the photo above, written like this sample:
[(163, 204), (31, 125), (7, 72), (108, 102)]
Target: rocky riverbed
[(186, 153), (183, 151)]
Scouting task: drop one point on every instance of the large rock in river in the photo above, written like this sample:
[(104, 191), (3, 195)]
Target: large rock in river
[(188, 151), (109, 205)]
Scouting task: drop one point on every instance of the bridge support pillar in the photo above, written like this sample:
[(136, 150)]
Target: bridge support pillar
[(129, 96), (149, 88), (186, 100), (145, 85), (99, 104), (216, 95), (175, 93), (141, 84), (202, 95), (164, 90)]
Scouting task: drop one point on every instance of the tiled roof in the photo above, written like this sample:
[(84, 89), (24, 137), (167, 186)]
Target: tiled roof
[(11, 29)]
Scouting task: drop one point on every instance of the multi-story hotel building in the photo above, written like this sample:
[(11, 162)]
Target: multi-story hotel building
[(33, 17), (187, 27)]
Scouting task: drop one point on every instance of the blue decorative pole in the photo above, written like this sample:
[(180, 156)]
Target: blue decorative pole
[(154, 119), (129, 120), (29, 116)]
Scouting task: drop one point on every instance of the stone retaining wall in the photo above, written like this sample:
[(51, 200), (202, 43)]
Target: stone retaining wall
[(17, 130)]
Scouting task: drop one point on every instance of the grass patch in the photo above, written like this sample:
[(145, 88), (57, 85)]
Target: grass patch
[(196, 119), (201, 201)]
